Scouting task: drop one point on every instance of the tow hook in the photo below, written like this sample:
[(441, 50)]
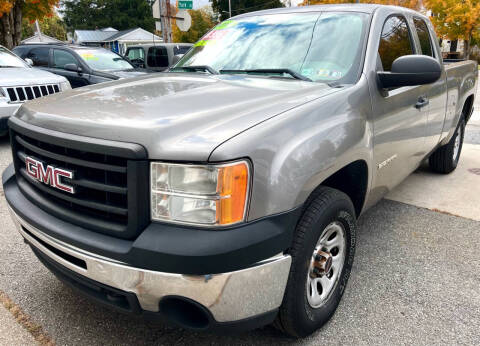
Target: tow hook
[(322, 263)]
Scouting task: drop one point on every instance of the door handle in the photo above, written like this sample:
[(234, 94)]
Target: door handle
[(422, 102)]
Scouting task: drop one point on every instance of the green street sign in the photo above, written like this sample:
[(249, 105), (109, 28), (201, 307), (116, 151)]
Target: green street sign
[(185, 4)]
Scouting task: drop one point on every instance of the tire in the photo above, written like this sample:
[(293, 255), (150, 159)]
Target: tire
[(445, 158), (298, 317)]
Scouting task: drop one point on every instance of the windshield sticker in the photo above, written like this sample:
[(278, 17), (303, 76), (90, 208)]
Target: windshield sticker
[(226, 24), (212, 37), (329, 73), (88, 56)]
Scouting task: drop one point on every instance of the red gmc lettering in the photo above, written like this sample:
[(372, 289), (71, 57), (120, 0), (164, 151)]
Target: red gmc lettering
[(50, 175)]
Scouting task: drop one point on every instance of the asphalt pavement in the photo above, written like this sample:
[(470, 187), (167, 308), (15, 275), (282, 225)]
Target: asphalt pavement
[(415, 279)]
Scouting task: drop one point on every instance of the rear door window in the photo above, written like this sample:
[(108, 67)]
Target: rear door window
[(157, 57), (178, 50), (423, 36), (39, 56), (395, 41)]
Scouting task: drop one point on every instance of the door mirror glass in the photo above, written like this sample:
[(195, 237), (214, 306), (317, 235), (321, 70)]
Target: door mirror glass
[(410, 70)]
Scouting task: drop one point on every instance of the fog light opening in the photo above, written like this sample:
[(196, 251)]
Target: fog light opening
[(185, 313)]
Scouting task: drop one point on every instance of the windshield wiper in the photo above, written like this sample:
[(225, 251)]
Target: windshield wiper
[(195, 68), (7, 66), (271, 70)]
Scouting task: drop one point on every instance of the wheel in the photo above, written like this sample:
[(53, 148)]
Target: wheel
[(445, 158), (322, 256)]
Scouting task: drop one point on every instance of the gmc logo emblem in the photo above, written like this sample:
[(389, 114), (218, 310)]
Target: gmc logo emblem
[(49, 175)]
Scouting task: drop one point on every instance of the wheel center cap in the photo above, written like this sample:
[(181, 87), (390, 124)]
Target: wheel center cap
[(322, 263)]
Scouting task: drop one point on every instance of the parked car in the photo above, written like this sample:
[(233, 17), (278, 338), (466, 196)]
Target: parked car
[(79, 64), (225, 193), (156, 57), (19, 82)]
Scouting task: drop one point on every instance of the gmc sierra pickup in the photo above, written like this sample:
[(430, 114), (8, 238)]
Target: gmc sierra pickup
[(224, 193)]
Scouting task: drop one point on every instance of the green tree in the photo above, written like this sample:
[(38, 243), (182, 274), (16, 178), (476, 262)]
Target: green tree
[(120, 14), (243, 6), (51, 26), (202, 21)]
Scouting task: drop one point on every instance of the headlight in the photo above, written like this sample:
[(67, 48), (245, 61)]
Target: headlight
[(65, 86), (209, 195)]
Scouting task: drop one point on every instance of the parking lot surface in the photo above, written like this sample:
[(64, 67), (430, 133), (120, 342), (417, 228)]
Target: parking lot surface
[(416, 279)]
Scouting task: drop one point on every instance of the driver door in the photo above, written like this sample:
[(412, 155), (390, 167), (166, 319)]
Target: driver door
[(400, 114)]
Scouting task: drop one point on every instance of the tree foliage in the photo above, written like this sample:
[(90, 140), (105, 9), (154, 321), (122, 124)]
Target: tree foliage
[(220, 7), (202, 21), (13, 11), (455, 20), (120, 14), (52, 26)]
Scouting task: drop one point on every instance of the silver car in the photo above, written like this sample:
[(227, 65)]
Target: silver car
[(19, 82)]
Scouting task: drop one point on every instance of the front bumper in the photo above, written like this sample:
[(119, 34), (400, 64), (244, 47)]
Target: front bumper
[(243, 294)]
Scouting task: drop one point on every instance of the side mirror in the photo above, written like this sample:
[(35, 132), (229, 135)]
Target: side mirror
[(411, 70), (73, 68), (29, 61)]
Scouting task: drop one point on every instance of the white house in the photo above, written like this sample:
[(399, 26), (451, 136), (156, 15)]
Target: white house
[(117, 41)]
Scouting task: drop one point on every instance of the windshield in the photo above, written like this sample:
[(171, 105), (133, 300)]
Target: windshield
[(319, 46), (103, 60), (8, 59)]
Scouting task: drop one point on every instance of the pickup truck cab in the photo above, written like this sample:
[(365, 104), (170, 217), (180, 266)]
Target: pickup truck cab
[(81, 65), (225, 192), (19, 82)]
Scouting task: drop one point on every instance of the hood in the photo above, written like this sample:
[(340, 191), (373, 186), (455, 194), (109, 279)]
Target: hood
[(23, 76), (175, 116)]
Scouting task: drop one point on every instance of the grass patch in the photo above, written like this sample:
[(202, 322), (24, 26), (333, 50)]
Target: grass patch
[(26, 321)]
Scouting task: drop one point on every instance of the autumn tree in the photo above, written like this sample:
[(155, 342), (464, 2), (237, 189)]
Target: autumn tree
[(413, 4), (202, 21), (52, 26), (454, 19), (13, 11)]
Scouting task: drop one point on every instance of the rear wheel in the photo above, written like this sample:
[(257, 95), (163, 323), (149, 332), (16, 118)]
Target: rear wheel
[(322, 257), (445, 158)]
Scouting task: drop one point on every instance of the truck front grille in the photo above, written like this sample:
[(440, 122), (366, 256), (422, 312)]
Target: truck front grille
[(108, 196), (24, 93)]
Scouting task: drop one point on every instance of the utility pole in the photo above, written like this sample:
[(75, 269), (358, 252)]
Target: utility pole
[(230, 8), (165, 15)]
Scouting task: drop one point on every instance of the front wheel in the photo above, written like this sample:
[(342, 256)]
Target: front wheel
[(322, 257), (445, 158)]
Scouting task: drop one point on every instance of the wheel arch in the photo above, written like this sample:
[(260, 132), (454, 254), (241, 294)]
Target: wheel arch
[(352, 179)]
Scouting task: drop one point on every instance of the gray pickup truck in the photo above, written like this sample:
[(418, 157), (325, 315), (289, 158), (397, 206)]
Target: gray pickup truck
[(224, 193)]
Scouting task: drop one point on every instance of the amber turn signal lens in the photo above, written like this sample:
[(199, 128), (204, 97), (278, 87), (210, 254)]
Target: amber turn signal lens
[(233, 190)]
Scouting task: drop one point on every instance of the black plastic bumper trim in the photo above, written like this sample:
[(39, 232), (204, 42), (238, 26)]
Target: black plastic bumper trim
[(164, 247)]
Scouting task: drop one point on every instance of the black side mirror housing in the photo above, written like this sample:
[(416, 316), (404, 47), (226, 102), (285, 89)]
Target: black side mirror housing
[(409, 70), (73, 68)]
